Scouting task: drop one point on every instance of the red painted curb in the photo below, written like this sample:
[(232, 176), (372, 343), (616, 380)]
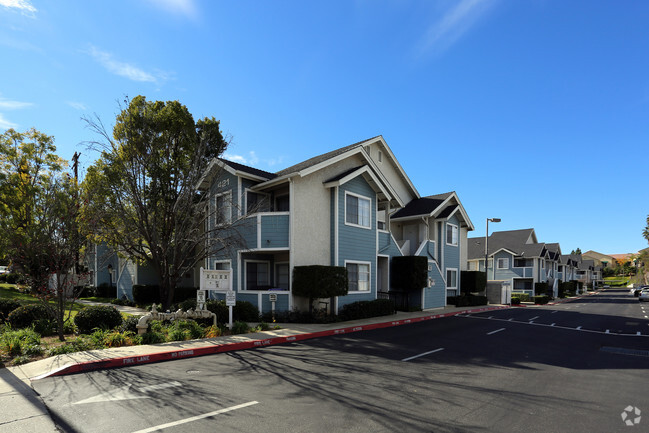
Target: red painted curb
[(230, 347)]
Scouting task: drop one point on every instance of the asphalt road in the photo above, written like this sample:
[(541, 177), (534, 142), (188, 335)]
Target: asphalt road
[(537, 369)]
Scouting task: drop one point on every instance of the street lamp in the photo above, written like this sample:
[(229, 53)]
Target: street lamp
[(486, 252)]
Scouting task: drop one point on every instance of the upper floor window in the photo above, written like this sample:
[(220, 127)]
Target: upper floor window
[(503, 263), (282, 203), (451, 234), (222, 208), (256, 202), (357, 210)]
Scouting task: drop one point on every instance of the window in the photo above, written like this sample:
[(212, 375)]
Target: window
[(222, 208), (358, 275), (473, 266), (380, 156), (451, 278), (256, 202), (221, 266), (523, 263), (357, 210), (281, 275), (503, 263), (257, 276), (282, 203), (451, 234)]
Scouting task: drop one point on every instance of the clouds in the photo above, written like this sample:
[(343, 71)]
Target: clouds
[(24, 6), (251, 159), (454, 23), (123, 69), (8, 105)]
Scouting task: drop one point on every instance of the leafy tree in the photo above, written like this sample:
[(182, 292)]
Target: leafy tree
[(143, 191), (577, 251), (39, 230)]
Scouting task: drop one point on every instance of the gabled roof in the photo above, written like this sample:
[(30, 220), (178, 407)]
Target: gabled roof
[(424, 206), (515, 241), (249, 170), (441, 206)]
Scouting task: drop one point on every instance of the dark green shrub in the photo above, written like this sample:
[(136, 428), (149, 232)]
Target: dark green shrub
[(184, 293), (409, 273), (477, 300), (129, 324), (516, 301), (105, 291), (240, 328), (6, 307), (472, 281), (542, 289), (541, 300), (27, 315), (245, 312), (152, 337), (12, 278), (365, 309), (466, 301), (97, 316), (146, 294), (124, 302), (317, 281), (187, 304), (220, 309)]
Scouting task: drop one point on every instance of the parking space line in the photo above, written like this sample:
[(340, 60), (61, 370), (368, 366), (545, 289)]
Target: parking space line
[(417, 356), (196, 418), (497, 330), (555, 311), (553, 324), (578, 328), (533, 318)]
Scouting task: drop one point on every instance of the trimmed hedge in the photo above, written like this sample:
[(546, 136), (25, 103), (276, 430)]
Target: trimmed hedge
[(97, 316), (365, 309), (6, 307), (467, 301), (541, 289), (243, 311), (472, 281), (516, 301), (146, 294), (318, 281), (28, 315), (524, 297), (541, 300), (409, 273)]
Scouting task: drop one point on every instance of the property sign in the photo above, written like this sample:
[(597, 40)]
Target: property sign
[(216, 280), (230, 298), (200, 297), (272, 297)]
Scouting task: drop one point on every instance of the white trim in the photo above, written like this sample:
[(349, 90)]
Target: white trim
[(258, 217), (506, 261), (359, 197), (239, 188), (215, 210), (457, 236), (291, 237), (214, 262), (361, 171), (336, 221), (369, 276), (457, 275), (275, 284), (386, 256), (245, 202)]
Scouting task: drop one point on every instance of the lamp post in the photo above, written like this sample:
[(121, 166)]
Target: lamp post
[(486, 252)]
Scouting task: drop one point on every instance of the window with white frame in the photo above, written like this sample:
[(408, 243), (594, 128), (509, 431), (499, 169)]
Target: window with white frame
[(503, 263), (222, 265), (357, 210), (451, 279), (257, 275), (222, 208), (451, 234), (358, 275)]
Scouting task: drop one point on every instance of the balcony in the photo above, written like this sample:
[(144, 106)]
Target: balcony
[(267, 230)]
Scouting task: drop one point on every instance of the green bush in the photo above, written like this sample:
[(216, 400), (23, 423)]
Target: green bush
[(365, 309), (189, 329), (79, 344), (542, 289), (105, 290), (12, 278), (245, 311), (152, 337), (146, 294), (516, 301), (19, 342), (6, 307), (409, 273), (524, 297), (472, 281), (541, 300), (97, 316), (220, 309), (129, 324), (240, 328), (467, 301), (27, 315), (184, 293), (317, 281)]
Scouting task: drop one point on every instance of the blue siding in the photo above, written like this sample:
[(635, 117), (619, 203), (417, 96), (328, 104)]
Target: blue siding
[(355, 243), (387, 245), (509, 273), (274, 231), (452, 252), (280, 305)]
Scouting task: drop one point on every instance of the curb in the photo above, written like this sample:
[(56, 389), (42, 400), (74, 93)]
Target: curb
[(558, 302), (130, 361)]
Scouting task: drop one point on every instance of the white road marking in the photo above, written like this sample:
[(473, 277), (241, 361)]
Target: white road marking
[(497, 330), (553, 324), (422, 354), (533, 318), (578, 328), (197, 417), (126, 393), (555, 311), (510, 319), (637, 333), (608, 331)]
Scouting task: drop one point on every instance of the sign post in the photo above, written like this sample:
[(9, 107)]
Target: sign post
[(230, 301), (273, 299), (219, 281), (200, 299)]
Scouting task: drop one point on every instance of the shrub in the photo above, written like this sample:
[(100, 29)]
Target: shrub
[(25, 316), (409, 273), (12, 278), (16, 342), (146, 294), (365, 309), (118, 339), (97, 316), (541, 300), (541, 289), (472, 281), (129, 324), (245, 311), (191, 329), (212, 332), (516, 301), (77, 345), (524, 297), (187, 304), (6, 307), (263, 326), (105, 290), (240, 328), (152, 337), (317, 281), (184, 293)]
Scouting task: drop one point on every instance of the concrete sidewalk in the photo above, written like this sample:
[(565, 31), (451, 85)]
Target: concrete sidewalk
[(23, 410)]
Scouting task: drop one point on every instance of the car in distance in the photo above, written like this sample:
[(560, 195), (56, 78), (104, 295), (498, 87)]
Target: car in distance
[(4, 270), (644, 295)]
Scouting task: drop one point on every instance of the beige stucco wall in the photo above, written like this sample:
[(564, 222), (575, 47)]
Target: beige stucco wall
[(391, 173)]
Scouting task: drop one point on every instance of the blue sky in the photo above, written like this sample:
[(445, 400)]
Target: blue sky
[(536, 112)]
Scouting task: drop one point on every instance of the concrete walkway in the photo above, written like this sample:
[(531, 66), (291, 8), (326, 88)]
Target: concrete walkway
[(23, 410), (121, 308)]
